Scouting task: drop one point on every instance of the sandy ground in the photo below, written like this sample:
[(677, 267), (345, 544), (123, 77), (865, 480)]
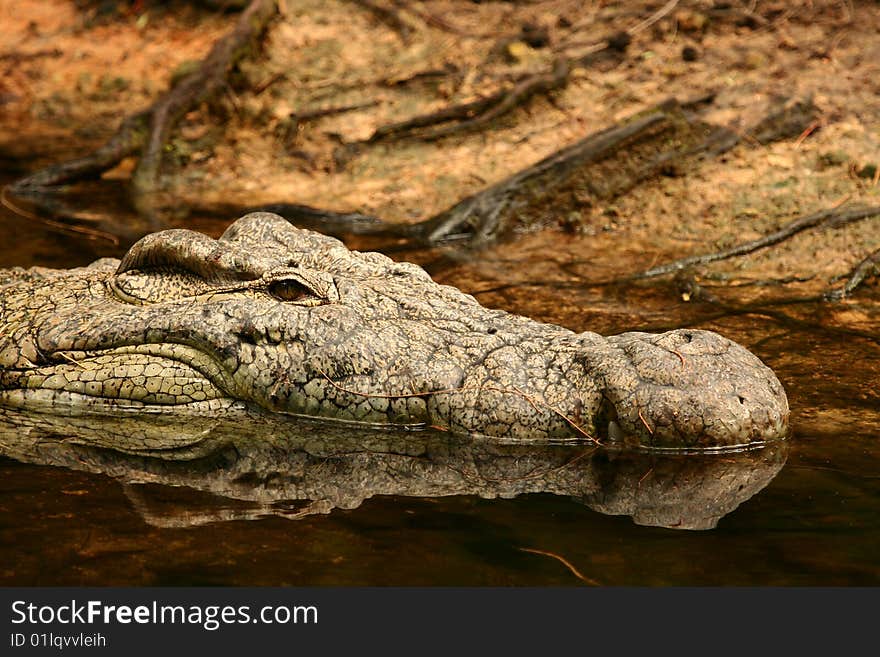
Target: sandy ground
[(69, 72)]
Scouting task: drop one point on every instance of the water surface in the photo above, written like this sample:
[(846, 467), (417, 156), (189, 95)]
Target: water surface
[(816, 520)]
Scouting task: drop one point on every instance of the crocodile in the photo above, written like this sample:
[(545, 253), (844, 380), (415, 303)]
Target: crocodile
[(288, 320), (302, 468)]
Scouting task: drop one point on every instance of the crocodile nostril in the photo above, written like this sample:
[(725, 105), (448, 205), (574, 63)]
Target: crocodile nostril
[(742, 400), (492, 331), (608, 421)]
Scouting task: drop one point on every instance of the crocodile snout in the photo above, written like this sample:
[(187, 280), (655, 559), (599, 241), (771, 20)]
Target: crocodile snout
[(690, 389)]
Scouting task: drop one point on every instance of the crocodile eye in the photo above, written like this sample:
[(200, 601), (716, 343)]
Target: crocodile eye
[(289, 290)]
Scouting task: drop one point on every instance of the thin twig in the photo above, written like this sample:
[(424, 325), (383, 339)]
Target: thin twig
[(565, 562), (321, 112), (91, 233), (645, 422), (653, 18)]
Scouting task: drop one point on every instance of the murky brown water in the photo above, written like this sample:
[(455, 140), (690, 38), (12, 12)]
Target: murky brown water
[(815, 522)]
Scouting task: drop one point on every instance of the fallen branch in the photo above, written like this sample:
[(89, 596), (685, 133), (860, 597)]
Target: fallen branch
[(481, 217), (502, 103), (565, 562)]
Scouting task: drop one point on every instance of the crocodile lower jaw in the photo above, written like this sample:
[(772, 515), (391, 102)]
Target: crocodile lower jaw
[(133, 377)]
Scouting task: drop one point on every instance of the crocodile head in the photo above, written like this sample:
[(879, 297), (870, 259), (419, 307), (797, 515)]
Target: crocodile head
[(291, 321)]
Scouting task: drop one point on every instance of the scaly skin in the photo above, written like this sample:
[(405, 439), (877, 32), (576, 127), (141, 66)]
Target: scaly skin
[(291, 321)]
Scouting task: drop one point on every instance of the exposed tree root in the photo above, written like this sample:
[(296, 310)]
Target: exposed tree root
[(830, 217), (482, 217), (665, 139), (600, 167), (147, 131), (128, 138), (296, 120), (867, 268)]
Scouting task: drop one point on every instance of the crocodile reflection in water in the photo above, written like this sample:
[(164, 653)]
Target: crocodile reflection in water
[(295, 469)]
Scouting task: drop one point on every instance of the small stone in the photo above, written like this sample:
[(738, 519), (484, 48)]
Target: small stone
[(690, 54), (832, 159), (868, 171), (754, 60), (619, 41), (691, 21), (519, 52), (535, 36)]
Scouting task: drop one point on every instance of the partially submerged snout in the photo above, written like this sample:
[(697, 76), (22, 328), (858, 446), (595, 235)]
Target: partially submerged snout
[(689, 389)]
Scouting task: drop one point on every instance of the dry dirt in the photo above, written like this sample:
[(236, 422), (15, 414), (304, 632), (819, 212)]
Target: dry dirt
[(68, 73)]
